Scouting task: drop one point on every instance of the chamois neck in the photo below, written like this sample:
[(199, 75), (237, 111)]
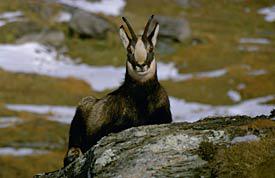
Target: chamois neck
[(135, 87), (129, 80)]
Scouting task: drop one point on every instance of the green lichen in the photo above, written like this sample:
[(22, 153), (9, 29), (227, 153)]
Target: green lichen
[(107, 157)]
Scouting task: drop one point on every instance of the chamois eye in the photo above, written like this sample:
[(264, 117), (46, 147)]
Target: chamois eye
[(151, 49), (129, 49)]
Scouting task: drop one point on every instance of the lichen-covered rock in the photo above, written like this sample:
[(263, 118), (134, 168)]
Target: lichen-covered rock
[(177, 29), (48, 37), (174, 150), (89, 25)]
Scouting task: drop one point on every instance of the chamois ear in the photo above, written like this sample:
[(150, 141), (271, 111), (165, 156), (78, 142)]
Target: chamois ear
[(124, 36), (154, 34)]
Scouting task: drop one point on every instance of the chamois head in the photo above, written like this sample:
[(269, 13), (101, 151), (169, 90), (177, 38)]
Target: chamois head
[(141, 64)]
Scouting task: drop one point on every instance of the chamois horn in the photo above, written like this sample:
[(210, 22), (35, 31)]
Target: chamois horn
[(134, 37), (144, 35)]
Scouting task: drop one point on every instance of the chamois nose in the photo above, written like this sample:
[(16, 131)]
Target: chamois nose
[(141, 68)]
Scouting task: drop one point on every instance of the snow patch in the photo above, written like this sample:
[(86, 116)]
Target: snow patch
[(63, 17), (11, 15), (168, 71), (63, 114), (2, 23), (241, 86), (234, 95), (7, 17), (211, 74), (39, 59), (20, 151), (246, 138), (9, 121), (192, 111), (181, 110), (249, 48), (108, 7), (257, 72), (269, 13), (255, 40)]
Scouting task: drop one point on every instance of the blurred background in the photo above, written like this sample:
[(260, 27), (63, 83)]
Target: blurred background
[(214, 58)]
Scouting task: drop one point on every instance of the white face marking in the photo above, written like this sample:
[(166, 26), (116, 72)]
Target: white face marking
[(142, 76), (140, 52)]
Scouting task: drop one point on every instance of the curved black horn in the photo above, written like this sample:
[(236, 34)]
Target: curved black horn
[(144, 35), (134, 37)]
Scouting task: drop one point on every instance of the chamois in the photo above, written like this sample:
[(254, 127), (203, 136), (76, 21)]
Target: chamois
[(140, 100)]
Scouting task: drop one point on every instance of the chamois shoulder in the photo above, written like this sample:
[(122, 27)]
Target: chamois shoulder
[(86, 103), (160, 100), (162, 96)]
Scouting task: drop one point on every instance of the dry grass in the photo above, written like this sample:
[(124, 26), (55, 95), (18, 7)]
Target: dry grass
[(205, 90), (28, 166), (33, 130), (36, 89), (38, 133), (260, 124), (252, 159)]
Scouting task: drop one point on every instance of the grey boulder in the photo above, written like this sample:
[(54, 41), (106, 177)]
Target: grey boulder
[(89, 25), (170, 150), (49, 37), (177, 29)]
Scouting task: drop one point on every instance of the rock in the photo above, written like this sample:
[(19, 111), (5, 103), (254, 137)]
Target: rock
[(89, 25), (187, 3), (177, 29), (183, 3), (18, 29), (165, 46), (50, 37), (246, 138), (170, 150), (63, 17)]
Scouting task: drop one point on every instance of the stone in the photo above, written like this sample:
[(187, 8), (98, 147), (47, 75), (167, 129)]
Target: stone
[(50, 37), (168, 150), (177, 29), (165, 46), (184, 3), (89, 25)]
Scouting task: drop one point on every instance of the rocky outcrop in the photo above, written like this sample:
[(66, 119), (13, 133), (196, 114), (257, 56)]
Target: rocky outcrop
[(48, 37), (177, 29), (89, 25), (177, 150)]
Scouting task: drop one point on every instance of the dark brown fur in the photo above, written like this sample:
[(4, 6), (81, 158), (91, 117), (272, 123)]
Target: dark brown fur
[(133, 104)]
